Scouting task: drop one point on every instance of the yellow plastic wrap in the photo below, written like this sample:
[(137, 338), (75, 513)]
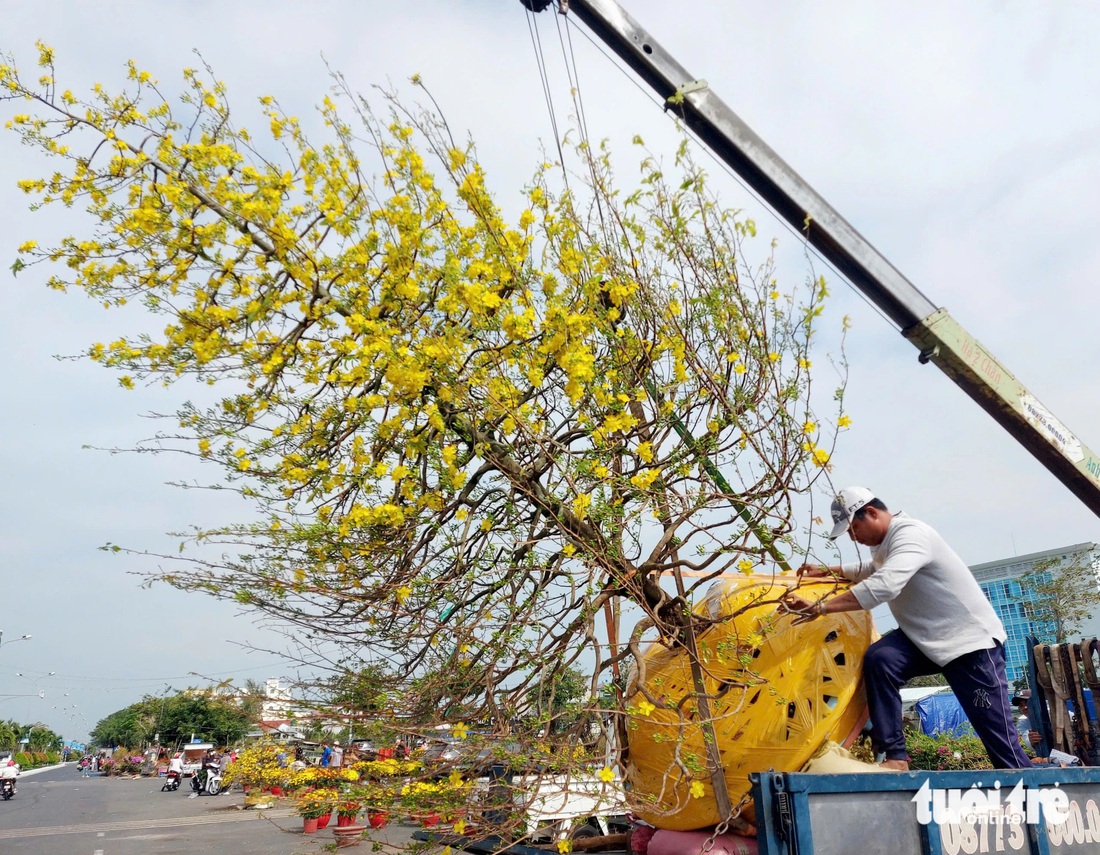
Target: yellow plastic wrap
[(778, 692)]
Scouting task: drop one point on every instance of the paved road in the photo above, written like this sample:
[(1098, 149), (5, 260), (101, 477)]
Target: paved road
[(57, 812)]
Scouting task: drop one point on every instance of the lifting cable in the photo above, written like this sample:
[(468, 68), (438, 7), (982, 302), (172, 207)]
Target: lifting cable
[(544, 78), (726, 810), (725, 167)]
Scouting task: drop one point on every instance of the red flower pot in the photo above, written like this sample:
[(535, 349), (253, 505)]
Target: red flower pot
[(348, 835), (276, 791), (342, 820), (429, 820), (322, 821), (309, 825), (377, 818)]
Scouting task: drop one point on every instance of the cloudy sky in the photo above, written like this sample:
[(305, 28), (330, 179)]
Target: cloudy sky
[(963, 140)]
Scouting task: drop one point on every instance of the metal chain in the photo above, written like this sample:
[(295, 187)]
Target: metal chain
[(724, 825)]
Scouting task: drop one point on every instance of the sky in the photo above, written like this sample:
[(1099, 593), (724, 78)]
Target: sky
[(962, 140)]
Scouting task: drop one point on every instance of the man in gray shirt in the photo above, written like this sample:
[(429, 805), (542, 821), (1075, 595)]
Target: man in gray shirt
[(945, 625)]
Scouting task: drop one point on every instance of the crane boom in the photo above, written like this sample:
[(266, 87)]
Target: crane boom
[(940, 339)]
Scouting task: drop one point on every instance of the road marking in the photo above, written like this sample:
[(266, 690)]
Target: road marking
[(140, 825)]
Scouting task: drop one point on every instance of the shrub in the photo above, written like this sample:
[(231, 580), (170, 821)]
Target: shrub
[(257, 766), (946, 752), (315, 803)]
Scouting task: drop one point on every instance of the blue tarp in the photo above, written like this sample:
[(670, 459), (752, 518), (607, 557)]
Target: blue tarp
[(943, 713)]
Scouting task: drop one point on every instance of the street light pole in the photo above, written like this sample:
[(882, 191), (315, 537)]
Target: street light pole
[(160, 715), (12, 641), (41, 693)]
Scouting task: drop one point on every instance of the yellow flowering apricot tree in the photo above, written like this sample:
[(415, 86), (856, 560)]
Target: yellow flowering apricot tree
[(471, 439)]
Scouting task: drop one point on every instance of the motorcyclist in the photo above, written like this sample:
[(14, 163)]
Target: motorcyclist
[(10, 770), (208, 765)]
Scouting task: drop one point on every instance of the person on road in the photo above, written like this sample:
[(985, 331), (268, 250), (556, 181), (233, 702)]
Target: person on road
[(945, 625), (337, 759), (326, 755), (11, 770)]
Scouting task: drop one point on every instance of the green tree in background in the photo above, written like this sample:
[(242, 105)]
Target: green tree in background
[(189, 713), (1058, 598)]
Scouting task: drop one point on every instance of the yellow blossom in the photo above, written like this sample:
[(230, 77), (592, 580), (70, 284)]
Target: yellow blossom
[(745, 566), (645, 708), (809, 427), (697, 789), (843, 422), (820, 456), (460, 731), (606, 775), (403, 593), (565, 846)]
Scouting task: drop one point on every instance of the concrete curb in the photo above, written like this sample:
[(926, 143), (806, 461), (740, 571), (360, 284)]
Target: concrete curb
[(27, 772)]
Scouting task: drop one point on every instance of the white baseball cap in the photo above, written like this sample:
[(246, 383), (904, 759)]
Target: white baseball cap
[(844, 507)]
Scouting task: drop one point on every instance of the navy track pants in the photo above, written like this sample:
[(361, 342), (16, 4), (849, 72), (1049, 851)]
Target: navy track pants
[(977, 678)]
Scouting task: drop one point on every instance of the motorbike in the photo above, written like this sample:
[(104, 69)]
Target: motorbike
[(207, 780), (171, 782), (7, 787)]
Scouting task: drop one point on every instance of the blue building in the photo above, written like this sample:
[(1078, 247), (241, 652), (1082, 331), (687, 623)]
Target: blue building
[(999, 581)]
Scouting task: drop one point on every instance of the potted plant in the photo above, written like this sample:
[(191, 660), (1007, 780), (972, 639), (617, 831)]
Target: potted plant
[(311, 807), (348, 806), (378, 797), (429, 801), (256, 766)]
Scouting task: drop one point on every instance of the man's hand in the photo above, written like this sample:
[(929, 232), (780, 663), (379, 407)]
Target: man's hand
[(798, 605), (815, 571)]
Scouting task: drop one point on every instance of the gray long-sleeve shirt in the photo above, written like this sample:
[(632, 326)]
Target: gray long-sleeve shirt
[(931, 592)]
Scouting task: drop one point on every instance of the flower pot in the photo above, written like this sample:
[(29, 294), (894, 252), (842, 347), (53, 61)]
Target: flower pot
[(322, 821), (344, 819), (429, 819), (309, 825), (276, 791), (377, 818), (348, 835)]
